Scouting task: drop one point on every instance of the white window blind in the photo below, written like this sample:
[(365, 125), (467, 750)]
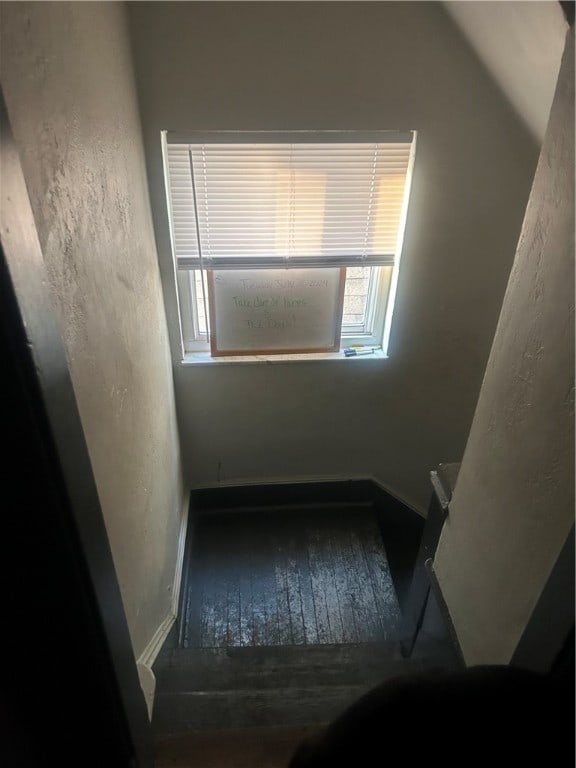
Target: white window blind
[(292, 204)]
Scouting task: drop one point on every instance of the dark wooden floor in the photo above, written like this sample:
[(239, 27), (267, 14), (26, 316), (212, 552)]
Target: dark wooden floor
[(289, 578)]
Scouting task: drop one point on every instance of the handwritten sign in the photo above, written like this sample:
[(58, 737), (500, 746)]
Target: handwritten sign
[(275, 311)]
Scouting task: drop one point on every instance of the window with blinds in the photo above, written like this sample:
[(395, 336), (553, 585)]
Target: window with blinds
[(258, 201)]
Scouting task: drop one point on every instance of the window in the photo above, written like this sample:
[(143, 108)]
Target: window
[(293, 201)]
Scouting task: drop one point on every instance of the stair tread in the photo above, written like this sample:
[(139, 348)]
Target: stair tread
[(335, 651), (280, 667), (204, 689), (208, 710), (263, 747)]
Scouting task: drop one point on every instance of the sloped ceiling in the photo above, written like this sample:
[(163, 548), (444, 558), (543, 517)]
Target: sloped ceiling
[(520, 44)]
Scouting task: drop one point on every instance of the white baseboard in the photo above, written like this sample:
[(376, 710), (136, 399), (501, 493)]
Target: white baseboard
[(147, 659), (148, 656), (180, 553)]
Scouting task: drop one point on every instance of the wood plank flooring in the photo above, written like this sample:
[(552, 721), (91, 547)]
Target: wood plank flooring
[(289, 578)]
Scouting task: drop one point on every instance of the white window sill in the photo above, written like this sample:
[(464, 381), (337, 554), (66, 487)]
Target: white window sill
[(204, 358)]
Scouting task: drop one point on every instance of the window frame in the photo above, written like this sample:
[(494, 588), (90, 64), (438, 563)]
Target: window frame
[(383, 280)]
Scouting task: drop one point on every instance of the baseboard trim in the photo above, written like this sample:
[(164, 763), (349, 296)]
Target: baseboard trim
[(237, 495), (150, 653), (285, 480), (148, 656), (147, 659), (180, 553), (271, 508), (276, 495)]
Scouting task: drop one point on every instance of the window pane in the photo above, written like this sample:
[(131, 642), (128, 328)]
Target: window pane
[(356, 295), (201, 314)]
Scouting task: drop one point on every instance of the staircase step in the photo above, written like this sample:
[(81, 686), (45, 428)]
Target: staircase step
[(271, 667), (244, 748), (224, 688), (213, 710)]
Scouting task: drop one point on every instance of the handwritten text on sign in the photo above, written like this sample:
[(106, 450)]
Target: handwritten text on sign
[(276, 310)]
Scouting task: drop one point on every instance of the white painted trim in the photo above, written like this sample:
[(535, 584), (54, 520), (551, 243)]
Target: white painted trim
[(148, 685), (147, 659), (180, 553), (148, 656), (205, 358)]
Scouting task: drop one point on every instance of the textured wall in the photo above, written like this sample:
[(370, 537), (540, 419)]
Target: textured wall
[(514, 501), (348, 66), (68, 83)]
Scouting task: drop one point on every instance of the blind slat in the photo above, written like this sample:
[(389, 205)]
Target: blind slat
[(261, 205)]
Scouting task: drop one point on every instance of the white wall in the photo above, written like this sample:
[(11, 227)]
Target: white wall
[(347, 66), (513, 506), (521, 44), (68, 82)]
